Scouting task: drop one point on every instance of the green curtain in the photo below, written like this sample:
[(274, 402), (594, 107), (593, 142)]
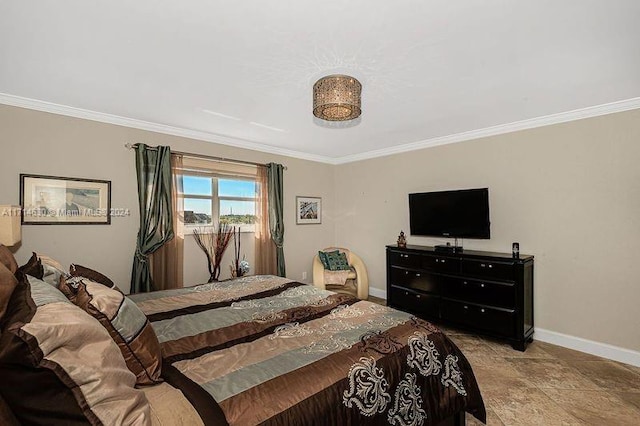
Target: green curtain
[(153, 166), (276, 224)]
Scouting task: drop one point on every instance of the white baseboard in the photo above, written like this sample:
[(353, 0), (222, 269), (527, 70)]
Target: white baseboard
[(603, 350), (382, 294)]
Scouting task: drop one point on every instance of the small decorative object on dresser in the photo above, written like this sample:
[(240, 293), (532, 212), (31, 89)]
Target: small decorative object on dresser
[(402, 240), (308, 210), (484, 292), (515, 250)]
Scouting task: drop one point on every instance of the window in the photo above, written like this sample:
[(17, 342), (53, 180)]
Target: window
[(210, 200)]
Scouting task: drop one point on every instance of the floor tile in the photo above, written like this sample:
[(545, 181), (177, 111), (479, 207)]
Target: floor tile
[(566, 353), (531, 406), (551, 373), (631, 367), (534, 349), (632, 398), (452, 331), (609, 375), (492, 419), (595, 407), (470, 344)]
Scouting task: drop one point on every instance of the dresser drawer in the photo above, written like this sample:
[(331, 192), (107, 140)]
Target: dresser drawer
[(482, 292), (489, 269), (495, 321), (415, 302), (409, 260), (441, 264), (417, 280)]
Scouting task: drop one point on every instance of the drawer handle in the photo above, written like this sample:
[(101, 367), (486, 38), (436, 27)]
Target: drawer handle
[(437, 260), (490, 266), (481, 285), (482, 265), (406, 272), (417, 296), (464, 283), (482, 310), (466, 307), (417, 275), (406, 293)]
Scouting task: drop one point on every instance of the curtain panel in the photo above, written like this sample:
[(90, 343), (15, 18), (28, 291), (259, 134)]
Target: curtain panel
[(167, 263), (276, 222), (153, 168), (265, 249)]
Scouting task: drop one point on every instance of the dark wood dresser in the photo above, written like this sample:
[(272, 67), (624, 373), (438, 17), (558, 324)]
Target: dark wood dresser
[(483, 292)]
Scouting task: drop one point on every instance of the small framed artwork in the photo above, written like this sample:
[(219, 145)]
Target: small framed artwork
[(54, 200), (308, 210)]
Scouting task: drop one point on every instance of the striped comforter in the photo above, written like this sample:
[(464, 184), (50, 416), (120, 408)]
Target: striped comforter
[(268, 350)]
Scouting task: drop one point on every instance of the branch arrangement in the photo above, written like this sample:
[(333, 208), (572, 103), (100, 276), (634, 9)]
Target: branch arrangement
[(214, 242)]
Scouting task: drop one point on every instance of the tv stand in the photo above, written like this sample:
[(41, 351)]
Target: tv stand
[(484, 292)]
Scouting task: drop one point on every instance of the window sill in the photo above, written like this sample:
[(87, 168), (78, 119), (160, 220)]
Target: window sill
[(188, 231)]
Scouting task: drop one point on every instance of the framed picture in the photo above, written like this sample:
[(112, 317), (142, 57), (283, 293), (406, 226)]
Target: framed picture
[(53, 200), (308, 210)]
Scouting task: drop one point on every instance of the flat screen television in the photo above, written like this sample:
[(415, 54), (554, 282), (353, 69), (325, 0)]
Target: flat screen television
[(456, 214)]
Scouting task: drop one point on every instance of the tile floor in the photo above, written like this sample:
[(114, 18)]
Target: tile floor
[(548, 384)]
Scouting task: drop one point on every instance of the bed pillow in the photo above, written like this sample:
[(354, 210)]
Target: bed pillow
[(337, 261), (7, 418), (52, 270), (58, 363), (33, 267), (7, 259), (124, 321), (95, 276), (8, 283)]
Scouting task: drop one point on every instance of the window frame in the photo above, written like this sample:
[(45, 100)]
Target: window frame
[(215, 200)]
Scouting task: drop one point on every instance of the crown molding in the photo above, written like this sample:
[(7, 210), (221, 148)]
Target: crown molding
[(563, 117), (53, 108)]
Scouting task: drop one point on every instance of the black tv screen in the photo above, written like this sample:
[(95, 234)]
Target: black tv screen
[(456, 214)]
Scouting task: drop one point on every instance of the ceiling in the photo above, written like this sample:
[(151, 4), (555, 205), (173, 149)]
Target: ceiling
[(241, 72)]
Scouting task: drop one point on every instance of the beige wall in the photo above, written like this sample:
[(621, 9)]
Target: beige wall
[(48, 144), (569, 193)]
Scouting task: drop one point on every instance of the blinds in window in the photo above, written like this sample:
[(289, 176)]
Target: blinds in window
[(213, 168)]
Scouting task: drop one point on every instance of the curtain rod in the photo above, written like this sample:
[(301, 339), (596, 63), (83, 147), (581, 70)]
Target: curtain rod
[(207, 157)]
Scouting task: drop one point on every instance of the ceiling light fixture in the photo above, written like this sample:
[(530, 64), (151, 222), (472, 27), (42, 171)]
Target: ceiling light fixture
[(337, 98)]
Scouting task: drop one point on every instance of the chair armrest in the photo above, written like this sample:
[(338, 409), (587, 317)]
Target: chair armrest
[(362, 279), (318, 273)]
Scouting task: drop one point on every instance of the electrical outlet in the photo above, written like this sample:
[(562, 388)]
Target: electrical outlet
[(304, 275)]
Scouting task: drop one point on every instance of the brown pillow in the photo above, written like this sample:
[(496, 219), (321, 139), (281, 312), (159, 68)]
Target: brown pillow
[(124, 321), (33, 267), (8, 283), (7, 259), (59, 364), (52, 270), (95, 276), (6, 415)]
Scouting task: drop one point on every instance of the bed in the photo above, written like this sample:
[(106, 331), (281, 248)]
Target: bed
[(253, 350), (268, 350)]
